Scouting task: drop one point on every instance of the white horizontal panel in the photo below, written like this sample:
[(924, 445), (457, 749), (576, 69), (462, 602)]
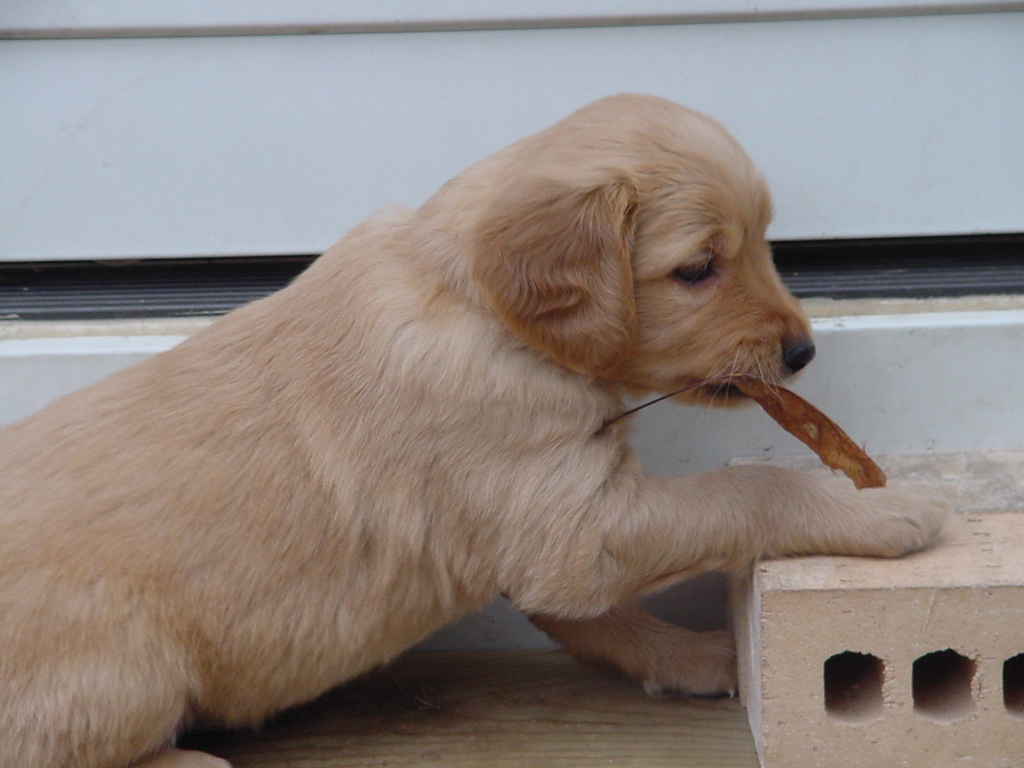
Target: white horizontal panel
[(944, 381), (35, 371), (42, 18), (279, 144), (906, 382)]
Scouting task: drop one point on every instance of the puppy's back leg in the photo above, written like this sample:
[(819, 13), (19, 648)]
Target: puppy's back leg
[(88, 694), (82, 727), (181, 758), (664, 657)]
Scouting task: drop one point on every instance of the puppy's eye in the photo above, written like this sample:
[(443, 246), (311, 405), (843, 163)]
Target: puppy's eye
[(694, 274)]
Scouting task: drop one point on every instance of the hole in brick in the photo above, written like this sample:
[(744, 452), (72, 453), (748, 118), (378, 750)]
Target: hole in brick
[(942, 686), (1013, 685), (853, 687)]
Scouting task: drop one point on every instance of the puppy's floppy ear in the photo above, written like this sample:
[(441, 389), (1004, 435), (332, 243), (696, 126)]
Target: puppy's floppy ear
[(554, 263)]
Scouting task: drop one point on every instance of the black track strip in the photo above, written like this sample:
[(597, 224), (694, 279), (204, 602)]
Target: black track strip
[(916, 267), (115, 290), (912, 268)]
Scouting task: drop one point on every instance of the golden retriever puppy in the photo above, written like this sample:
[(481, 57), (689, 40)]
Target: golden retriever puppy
[(322, 478)]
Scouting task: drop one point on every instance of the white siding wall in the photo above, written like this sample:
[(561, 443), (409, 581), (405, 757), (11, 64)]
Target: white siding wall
[(188, 143)]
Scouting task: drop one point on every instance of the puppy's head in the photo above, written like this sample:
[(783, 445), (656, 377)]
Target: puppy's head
[(628, 243)]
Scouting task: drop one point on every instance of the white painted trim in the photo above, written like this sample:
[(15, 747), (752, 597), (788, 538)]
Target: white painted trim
[(992, 319), (123, 18), (75, 346)]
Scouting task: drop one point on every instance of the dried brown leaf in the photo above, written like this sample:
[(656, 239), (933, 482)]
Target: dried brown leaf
[(813, 428)]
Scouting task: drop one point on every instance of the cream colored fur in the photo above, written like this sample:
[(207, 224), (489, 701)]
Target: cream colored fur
[(324, 477)]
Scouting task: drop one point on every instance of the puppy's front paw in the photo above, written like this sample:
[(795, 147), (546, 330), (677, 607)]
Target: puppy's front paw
[(699, 664), (903, 519), (875, 522), (828, 516)]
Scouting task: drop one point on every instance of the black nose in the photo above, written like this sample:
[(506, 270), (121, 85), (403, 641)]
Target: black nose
[(797, 353)]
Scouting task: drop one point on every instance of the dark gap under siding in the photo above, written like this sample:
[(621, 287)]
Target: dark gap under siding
[(903, 268), (839, 269)]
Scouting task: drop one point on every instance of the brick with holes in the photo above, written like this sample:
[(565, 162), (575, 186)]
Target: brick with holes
[(880, 663)]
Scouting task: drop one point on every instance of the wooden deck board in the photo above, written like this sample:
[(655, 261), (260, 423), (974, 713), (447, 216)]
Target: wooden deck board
[(493, 709)]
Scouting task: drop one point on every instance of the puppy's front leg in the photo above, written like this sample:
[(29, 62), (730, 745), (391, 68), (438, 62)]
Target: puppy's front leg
[(641, 533), (664, 657), (725, 519)]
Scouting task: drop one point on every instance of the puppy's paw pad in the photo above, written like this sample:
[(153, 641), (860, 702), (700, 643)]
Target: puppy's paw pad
[(657, 691), (182, 758)]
